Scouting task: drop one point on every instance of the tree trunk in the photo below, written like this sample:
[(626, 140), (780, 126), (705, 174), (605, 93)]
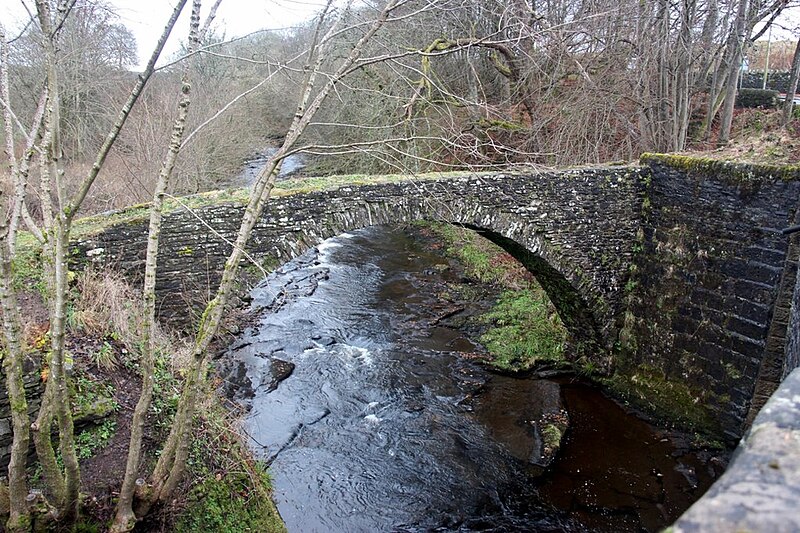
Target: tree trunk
[(172, 461), (19, 514), (68, 512), (125, 518), (738, 39), (791, 91)]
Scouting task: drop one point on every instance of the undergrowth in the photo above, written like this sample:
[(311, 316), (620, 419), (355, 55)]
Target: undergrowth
[(231, 491), (524, 328), (224, 488)]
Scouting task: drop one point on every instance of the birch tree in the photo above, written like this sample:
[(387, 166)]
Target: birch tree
[(125, 518), (60, 211), (794, 75), (172, 460)]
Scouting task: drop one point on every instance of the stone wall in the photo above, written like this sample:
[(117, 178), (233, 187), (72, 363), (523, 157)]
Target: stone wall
[(674, 268), (33, 392), (760, 489), (792, 355), (581, 224), (714, 285), (777, 80)]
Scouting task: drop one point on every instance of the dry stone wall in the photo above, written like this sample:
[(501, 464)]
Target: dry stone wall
[(581, 223), (711, 299)]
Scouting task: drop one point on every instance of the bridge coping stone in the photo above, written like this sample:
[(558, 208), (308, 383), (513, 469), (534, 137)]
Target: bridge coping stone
[(760, 490)]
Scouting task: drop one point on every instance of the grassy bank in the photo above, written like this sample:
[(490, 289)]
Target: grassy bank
[(523, 330), (224, 488)]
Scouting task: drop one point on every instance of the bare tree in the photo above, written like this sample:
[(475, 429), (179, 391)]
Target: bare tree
[(125, 518), (791, 91), (61, 211)]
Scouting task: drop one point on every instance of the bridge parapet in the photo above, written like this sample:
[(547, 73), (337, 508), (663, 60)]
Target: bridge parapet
[(579, 224)]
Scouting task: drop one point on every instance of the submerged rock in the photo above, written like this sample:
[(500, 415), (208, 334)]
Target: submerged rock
[(531, 424), (236, 385)]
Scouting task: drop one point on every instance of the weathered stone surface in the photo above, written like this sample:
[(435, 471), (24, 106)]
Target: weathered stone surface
[(760, 491), (577, 228), (710, 301), (679, 270), (792, 349)]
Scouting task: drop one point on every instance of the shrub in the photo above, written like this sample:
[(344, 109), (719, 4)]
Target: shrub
[(231, 503), (757, 98)]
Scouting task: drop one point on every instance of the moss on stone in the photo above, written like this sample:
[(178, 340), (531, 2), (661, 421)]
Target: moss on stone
[(140, 213), (552, 434), (669, 401), (740, 172)]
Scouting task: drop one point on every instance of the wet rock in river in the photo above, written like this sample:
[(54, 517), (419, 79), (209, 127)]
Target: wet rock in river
[(236, 384), (279, 370), (529, 425)]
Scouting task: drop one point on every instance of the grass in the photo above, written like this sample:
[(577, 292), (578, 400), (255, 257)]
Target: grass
[(231, 503), (524, 329), (231, 492)]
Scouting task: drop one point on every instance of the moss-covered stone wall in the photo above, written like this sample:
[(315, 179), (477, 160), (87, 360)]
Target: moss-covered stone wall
[(676, 269), (580, 223), (710, 297)]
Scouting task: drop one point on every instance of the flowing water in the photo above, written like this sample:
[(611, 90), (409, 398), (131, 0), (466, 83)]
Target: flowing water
[(291, 164), (374, 417)]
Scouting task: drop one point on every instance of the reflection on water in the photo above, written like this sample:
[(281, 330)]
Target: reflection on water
[(382, 425)]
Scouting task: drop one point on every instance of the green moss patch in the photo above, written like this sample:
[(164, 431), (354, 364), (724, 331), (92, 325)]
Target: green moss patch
[(525, 330), (140, 213), (740, 172), (231, 503), (671, 402)]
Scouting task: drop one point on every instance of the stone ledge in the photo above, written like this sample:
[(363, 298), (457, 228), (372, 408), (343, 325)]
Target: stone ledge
[(719, 168), (760, 491)]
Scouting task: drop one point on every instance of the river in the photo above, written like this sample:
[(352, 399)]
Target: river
[(375, 417)]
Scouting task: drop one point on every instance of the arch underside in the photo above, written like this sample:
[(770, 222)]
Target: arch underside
[(571, 306), (585, 334)]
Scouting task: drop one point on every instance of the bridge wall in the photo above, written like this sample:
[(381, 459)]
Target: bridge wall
[(581, 223), (677, 269), (711, 298)]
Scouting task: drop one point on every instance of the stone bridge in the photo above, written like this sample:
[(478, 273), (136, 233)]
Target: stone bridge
[(673, 274), (575, 230)]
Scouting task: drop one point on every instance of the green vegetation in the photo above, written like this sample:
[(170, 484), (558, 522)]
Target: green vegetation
[(104, 325), (647, 388), (91, 439), (231, 491), (741, 172), (91, 225), (92, 399), (552, 434), (231, 503), (27, 265), (524, 329)]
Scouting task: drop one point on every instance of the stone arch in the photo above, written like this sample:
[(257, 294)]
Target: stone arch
[(572, 294), (572, 306), (557, 227)]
